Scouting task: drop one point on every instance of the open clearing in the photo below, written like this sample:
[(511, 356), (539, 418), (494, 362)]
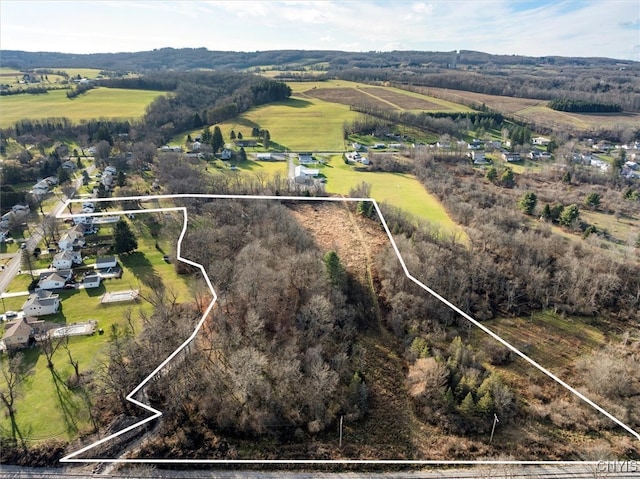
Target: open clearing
[(296, 124), (398, 189), (98, 103), (528, 109)]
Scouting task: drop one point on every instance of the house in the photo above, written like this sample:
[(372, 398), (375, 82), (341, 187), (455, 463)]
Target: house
[(510, 156), (365, 160), (539, 140), (41, 188), (478, 157), (50, 281), (5, 220), (379, 146), (72, 239), (41, 303), (4, 234), (196, 145), (226, 154), (21, 210), (306, 158), (106, 262), (263, 157), (91, 281), (112, 169), (51, 180), (66, 259), (68, 165), (19, 334), (302, 174)]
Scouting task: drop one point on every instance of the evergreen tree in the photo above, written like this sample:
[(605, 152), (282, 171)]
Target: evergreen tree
[(507, 179), (122, 179), (124, 239), (266, 139), (240, 135), (527, 203), (592, 200), (232, 135), (569, 215), (217, 142), (468, 405), (546, 212), (492, 174), (567, 178), (242, 154)]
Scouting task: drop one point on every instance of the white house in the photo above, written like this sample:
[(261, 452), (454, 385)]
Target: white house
[(263, 157), (111, 170), (66, 259), (91, 281), (303, 174), (41, 303), (539, 140), (106, 262), (72, 239), (50, 281)]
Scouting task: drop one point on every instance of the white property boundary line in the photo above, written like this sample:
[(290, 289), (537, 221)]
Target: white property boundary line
[(155, 413)]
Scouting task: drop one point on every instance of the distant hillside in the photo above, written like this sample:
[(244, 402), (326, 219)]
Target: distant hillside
[(193, 58)]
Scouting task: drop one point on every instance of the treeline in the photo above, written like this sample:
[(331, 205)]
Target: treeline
[(79, 90), (32, 90), (206, 98), (583, 106), (454, 124)]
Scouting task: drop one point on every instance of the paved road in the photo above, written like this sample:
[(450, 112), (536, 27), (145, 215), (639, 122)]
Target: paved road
[(493, 471), (12, 267)]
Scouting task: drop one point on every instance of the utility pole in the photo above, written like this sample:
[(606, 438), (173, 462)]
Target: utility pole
[(495, 420), (341, 418)]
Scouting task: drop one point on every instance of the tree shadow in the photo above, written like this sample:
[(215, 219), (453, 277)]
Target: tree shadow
[(297, 103), (65, 399), (141, 267)]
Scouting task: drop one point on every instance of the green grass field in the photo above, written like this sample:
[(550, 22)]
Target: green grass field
[(296, 124), (397, 189), (97, 103)]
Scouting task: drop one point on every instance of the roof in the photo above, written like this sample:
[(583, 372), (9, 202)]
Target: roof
[(63, 255), (42, 298), (18, 327), (106, 259)]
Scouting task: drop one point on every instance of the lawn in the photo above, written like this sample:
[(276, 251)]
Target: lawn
[(47, 408), (97, 103), (397, 189)]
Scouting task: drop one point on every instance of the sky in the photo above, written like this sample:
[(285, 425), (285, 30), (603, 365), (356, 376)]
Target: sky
[(603, 28)]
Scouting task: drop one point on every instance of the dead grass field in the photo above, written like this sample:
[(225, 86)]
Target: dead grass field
[(350, 97), (536, 111), (404, 102)]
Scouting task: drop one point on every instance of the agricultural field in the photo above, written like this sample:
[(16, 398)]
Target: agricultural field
[(296, 124), (536, 110), (97, 103)]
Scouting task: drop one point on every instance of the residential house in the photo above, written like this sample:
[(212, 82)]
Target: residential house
[(41, 303), (72, 239), (112, 170), (539, 140), (6, 219), (196, 145), (21, 210), (91, 281), (51, 180), (226, 154), (478, 157), (66, 259), (4, 234), (50, 281), (264, 157), (68, 165), (106, 262), (510, 156), (302, 174), (306, 158), (19, 334), (41, 188)]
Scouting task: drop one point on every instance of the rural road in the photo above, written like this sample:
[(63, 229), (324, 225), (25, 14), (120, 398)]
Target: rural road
[(13, 266), (576, 471)]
